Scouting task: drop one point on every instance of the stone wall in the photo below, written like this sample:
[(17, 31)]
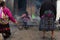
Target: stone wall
[(10, 4)]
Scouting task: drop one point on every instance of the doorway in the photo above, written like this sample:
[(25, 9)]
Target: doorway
[(19, 6)]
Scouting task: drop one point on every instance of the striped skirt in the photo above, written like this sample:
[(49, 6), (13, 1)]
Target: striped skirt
[(47, 24)]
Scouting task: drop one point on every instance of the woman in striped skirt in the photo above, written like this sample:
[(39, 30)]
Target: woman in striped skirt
[(48, 16)]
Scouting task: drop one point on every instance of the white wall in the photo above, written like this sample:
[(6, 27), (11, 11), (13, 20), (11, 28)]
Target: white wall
[(58, 10)]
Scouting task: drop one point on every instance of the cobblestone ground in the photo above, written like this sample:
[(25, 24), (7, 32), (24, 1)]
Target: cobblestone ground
[(31, 34)]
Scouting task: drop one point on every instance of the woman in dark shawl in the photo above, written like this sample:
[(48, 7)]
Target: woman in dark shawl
[(48, 16)]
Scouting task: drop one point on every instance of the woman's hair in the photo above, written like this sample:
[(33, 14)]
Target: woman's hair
[(2, 3), (26, 13)]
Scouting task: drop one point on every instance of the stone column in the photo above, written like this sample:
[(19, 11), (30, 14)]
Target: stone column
[(10, 4)]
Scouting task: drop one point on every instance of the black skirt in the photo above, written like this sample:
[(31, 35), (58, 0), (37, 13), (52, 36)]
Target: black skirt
[(47, 25), (5, 29)]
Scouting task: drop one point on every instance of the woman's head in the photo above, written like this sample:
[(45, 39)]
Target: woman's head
[(26, 13), (2, 4)]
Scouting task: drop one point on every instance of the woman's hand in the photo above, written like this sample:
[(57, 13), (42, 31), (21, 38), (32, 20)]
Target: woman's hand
[(16, 23)]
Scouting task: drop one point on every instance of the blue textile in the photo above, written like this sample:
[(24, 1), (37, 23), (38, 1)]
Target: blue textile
[(47, 24)]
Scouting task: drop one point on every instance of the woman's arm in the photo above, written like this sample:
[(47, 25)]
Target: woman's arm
[(10, 16)]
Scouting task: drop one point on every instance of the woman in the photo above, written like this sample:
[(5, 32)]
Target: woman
[(48, 16), (4, 28), (25, 19)]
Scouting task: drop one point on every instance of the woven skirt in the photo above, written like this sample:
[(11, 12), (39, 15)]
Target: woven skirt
[(47, 25)]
